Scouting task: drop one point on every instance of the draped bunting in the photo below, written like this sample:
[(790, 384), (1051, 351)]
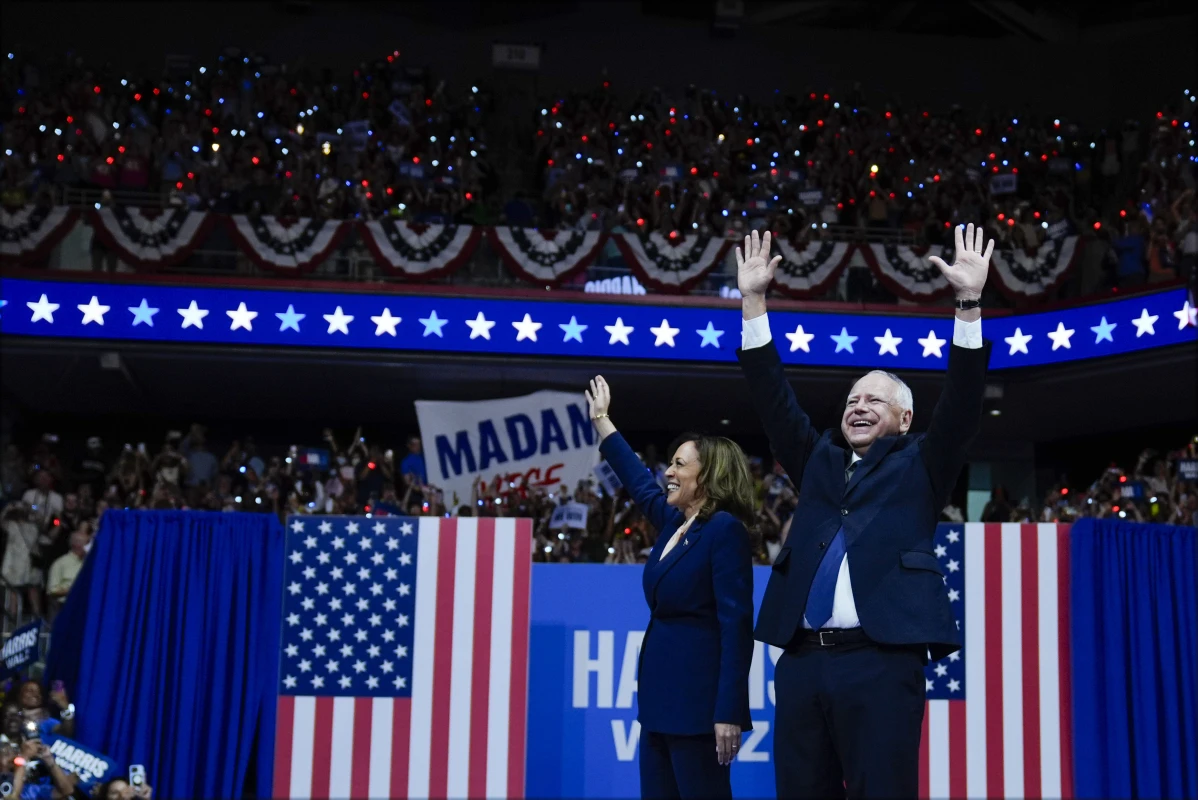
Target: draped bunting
[(291, 246), (412, 250), (1025, 273), (906, 271), (151, 240), (31, 232), (671, 266), (545, 256), (808, 271)]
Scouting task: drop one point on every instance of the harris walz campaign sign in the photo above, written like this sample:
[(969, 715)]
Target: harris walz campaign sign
[(21, 649), (545, 438)]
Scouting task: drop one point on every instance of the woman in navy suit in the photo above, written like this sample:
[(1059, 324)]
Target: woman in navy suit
[(693, 680)]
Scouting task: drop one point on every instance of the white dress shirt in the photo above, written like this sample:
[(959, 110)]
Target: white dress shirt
[(756, 333)]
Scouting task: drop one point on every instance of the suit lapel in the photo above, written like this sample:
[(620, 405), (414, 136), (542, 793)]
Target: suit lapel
[(876, 453), (661, 566)]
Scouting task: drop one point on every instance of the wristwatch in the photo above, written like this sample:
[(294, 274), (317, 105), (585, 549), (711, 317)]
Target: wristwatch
[(965, 305)]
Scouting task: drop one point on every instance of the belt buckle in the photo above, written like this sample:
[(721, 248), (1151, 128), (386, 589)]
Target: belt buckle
[(822, 643)]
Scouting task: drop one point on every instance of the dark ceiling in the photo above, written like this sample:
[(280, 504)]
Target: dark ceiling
[(311, 389)]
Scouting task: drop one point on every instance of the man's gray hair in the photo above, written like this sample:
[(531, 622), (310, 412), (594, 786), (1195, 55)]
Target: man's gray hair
[(902, 395)]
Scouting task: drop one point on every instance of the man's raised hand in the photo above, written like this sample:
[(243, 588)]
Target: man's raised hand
[(754, 267), (967, 274)]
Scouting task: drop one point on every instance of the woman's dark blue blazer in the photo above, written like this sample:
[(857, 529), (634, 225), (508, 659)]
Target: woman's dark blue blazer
[(695, 657)]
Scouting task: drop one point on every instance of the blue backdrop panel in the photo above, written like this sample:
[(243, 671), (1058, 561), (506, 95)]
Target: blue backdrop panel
[(286, 317), (587, 620), (169, 646), (1135, 659)]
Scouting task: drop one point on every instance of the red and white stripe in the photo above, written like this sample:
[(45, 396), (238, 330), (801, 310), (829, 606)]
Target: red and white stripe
[(462, 732), (1013, 735), (139, 254)]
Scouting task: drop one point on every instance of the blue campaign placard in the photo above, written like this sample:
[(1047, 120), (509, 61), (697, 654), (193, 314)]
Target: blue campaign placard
[(587, 623)]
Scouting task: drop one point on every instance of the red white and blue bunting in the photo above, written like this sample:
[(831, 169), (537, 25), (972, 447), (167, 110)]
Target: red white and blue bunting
[(28, 234), (287, 246), (671, 266), (149, 240), (1028, 273), (546, 257), (809, 270), (414, 250), (907, 271)]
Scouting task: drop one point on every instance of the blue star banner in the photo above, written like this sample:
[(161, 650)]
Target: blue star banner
[(567, 328)]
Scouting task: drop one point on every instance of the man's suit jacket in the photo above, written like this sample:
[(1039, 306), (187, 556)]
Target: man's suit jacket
[(889, 509), (695, 657)]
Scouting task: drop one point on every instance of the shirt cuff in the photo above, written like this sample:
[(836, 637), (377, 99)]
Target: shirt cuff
[(965, 334), (756, 332)]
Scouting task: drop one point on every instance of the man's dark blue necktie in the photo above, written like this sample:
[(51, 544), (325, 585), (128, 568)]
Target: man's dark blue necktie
[(823, 586)]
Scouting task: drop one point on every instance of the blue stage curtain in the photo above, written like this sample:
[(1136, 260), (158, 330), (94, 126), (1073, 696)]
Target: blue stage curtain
[(1135, 659), (169, 646)]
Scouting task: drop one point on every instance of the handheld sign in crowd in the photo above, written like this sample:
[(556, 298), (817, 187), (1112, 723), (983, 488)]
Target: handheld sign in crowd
[(21, 648), (1187, 469), (607, 478), (80, 760), (569, 515)]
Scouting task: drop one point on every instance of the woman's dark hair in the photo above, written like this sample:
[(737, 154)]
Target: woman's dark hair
[(724, 477)]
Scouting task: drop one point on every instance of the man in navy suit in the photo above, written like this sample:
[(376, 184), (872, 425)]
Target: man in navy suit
[(856, 598)]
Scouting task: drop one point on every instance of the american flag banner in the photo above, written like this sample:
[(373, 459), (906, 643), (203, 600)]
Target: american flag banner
[(998, 721), (404, 666)]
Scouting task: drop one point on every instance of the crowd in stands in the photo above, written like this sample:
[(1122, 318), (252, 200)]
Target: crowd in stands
[(52, 506), (245, 135)]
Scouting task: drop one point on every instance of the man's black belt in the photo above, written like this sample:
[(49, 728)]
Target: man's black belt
[(829, 637)]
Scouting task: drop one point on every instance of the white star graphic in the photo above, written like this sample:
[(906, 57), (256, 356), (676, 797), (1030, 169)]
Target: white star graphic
[(338, 321), (1144, 325), (364, 543), (406, 528), (375, 621), (400, 682), (386, 666), (93, 311), (242, 318), (291, 650), (193, 315), (391, 574), (318, 651), (309, 573), (317, 682), (43, 309), (572, 329), (928, 685), (360, 635), (954, 685), (940, 550), (1060, 337), (664, 333), (347, 650), (379, 528), (359, 666), (349, 588), (404, 590), (362, 604), (432, 324), (932, 345), (954, 656), (953, 565), (954, 536), (1103, 330), (321, 620), (619, 332), (401, 651), (335, 603), (310, 542), (800, 340), (334, 635), (322, 557), (293, 619), (297, 557), (405, 560), (322, 588), (332, 666), (289, 319), (403, 621), (305, 665), (1018, 342), (372, 682), (351, 558), (289, 682), (294, 588), (338, 543), (352, 527), (297, 526), (143, 313), (710, 335), (953, 595), (385, 323), (308, 603), (347, 619), (337, 573), (377, 559), (376, 589), (481, 326), (345, 681), (388, 604), (306, 634), (326, 527), (941, 670), (843, 340), (526, 329), (888, 343), (388, 636), (363, 574), (1186, 315)]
